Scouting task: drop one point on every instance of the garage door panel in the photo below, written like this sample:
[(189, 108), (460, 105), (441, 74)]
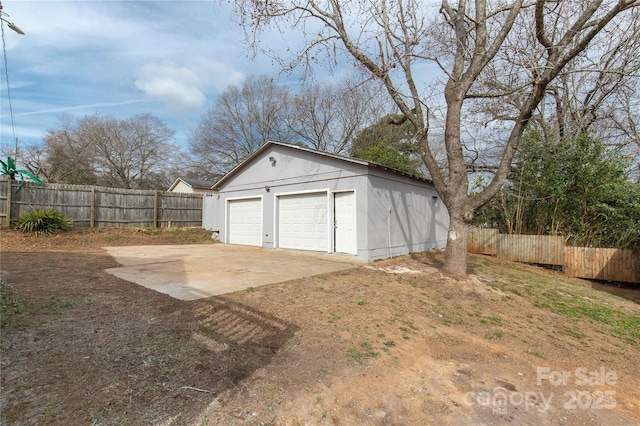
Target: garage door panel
[(302, 221), (245, 222)]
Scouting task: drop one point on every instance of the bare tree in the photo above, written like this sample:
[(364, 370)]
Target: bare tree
[(327, 117), (129, 153), (242, 119), (590, 92), (64, 157), (625, 128), (106, 151), (481, 47)]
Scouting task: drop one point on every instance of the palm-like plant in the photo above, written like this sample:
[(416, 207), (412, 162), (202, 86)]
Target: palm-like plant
[(9, 169)]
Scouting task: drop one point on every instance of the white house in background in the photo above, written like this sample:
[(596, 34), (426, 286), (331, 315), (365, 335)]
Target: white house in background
[(192, 186), (286, 196)]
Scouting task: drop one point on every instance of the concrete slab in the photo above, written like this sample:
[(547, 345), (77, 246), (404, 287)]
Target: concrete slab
[(189, 272)]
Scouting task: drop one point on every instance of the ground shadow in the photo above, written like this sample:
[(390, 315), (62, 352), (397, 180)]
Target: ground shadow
[(98, 349), (627, 291), (435, 259)]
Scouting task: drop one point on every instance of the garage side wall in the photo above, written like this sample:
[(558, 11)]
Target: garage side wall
[(289, 171), (405, 216), (210, 213)]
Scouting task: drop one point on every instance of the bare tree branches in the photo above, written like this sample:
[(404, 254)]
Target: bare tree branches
[(328, 117), (242, 119), (488, 50), (103, 150)]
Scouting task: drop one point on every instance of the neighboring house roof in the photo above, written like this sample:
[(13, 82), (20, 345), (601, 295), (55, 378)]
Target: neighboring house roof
[(194, 183), (352, 160)]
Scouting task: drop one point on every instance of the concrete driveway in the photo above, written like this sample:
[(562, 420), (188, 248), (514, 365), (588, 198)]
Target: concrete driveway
[(189, 272)]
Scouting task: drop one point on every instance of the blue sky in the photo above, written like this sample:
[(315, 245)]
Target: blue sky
[(168, 58)]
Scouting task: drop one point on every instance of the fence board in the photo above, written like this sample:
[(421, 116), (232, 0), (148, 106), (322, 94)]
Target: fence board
[(603, 264), (5, 198), (540, 249), (176, 210), (482, 241), (103, 207)]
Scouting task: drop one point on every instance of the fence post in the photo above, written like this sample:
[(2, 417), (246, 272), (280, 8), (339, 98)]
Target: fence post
[(92, 221), (155, 208), (9, 200)]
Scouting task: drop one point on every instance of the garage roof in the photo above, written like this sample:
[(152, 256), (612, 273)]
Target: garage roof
[(316, 152), (193, 183)]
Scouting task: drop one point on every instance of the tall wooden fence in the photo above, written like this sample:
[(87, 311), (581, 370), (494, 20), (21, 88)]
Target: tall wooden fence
[(93, 206), (483, 241), (603, 264), (583, 262)]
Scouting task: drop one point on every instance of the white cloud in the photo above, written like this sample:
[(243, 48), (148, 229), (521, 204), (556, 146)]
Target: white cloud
[(97, 56), (173, 85), (183, 89)]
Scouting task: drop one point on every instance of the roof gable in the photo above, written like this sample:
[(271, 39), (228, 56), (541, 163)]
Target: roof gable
[(351, 160), (193, 183)]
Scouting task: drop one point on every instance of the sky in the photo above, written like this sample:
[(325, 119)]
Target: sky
[(119, 58)]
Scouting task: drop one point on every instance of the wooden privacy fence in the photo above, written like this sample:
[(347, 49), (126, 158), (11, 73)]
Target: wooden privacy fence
[(542, 249), (603, 264), (93, 206), (483, 241), (583, 262)]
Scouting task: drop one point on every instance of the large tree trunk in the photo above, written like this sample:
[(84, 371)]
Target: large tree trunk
[(455, 255)]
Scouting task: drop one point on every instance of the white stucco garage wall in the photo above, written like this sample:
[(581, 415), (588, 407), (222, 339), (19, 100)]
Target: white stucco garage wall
[(416, 221), (404, 217)]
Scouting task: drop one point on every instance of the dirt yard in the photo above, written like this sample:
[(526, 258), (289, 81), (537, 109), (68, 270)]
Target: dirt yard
[(391, 343)]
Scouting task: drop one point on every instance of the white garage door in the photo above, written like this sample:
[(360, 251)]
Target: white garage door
[(245, 222), (302, 221)]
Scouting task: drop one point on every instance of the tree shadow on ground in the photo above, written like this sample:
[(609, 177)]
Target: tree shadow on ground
[(435, 259), (627, 291), (98, 349)]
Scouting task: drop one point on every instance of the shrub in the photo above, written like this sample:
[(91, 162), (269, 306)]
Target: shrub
[(44, 222)]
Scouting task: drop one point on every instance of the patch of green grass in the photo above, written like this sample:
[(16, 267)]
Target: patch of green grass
[(410, 324), (359, 354), (495, 335), (61, 303), (10, 304), (361, 303), (568, 299), (333, 317), (622, 324), (534, 353), (251, 289), (491, 320), (573, 333)]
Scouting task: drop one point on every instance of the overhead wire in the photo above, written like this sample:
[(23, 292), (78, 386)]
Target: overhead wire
[(6, 71)]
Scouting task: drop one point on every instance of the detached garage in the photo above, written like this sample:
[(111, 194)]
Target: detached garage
[(286, 196)]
